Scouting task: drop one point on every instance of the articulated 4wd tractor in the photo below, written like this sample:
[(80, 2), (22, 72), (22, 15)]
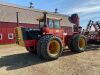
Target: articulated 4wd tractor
[(50, 39)]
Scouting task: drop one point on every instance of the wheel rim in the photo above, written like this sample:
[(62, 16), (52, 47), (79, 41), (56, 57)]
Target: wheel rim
[(81, 42), (54, 47)]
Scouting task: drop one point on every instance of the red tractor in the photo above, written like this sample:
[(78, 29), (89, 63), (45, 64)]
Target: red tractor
[(50, 39)]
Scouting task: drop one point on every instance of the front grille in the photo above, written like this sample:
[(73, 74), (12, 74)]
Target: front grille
[(30, 34)]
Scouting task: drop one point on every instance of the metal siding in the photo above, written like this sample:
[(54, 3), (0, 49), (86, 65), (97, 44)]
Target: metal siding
[(10, 30), (8, 14), (8, 27), (2, 36), (13, 25), (27, 18), (5, 32)]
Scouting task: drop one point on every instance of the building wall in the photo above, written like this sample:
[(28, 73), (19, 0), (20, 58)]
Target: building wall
[(8, 14), (27, 18), (6, 32), (7, 28)]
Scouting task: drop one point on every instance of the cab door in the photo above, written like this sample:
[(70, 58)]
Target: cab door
[(51, 26), (58, 31), (55, 28)]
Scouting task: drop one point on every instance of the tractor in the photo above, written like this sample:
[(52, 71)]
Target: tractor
[(49, 40)]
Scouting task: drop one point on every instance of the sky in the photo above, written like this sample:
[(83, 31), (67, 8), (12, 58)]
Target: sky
[(87, 9)]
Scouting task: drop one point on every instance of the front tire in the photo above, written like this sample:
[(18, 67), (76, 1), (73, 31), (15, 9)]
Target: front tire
[(49, 47)]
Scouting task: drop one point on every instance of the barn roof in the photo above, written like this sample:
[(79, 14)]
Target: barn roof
[(27, 8)]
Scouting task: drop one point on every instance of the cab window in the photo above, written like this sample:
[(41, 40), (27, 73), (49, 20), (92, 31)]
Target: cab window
[(51, 24), (56, 23)]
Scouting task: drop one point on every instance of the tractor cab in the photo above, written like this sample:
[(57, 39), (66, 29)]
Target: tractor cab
[(51, 26), (49, 22)]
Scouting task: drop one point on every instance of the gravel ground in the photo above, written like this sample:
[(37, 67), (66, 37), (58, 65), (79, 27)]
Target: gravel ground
[(15, 60)]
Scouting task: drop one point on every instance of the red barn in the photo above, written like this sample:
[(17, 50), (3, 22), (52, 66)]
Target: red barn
[(27, 18)]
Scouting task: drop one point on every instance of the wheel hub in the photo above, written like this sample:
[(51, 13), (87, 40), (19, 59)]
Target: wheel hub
[(81, 43), (54, 47)]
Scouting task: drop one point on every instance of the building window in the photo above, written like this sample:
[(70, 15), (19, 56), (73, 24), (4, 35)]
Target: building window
[(0, 36), (10, 36)]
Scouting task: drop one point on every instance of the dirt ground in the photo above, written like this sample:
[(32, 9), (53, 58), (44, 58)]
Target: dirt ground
[(15, 60)]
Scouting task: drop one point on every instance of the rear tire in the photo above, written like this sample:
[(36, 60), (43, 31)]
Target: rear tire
[(70, 44), (79, 43), (49, 47)]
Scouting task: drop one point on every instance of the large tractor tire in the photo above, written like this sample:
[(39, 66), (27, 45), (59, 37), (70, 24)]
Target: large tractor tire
[(79, 43), (39, 46), (49, 47), (70, 44)]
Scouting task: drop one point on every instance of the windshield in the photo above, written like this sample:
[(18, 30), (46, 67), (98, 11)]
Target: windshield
[(53, 23), (50, 23), (56, 23)]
